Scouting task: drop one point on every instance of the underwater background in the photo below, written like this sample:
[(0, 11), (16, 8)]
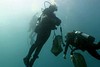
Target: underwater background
[(15, 16)]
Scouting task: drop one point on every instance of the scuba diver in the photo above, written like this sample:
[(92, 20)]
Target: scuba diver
[(47, 22), (77, 40), (32, 27)]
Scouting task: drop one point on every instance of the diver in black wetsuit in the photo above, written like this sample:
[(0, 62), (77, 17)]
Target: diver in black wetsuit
[(47, 22), (82, 41)]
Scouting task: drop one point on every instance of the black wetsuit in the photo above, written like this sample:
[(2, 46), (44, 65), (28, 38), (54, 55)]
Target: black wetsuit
[(81, 43), (47, 23)]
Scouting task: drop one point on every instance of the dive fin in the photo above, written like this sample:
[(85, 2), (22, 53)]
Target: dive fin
[(78, 60)]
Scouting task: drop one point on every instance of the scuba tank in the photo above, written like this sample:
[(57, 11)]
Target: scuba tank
[(86, 36), (89, 38)]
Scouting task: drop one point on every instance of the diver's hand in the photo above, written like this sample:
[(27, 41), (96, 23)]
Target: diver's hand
[(71, 56), (64, 56)]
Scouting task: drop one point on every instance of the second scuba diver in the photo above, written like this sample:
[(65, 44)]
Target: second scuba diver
[(82, 41)]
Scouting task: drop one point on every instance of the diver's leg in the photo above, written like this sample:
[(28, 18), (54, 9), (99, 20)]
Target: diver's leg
[(35, 56), (91, 50), (26, 59), (40, 42)]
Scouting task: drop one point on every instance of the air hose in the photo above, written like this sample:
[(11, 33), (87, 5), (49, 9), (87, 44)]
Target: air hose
[(46, 2)]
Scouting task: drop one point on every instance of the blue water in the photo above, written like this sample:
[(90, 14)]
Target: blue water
[(15, 16)]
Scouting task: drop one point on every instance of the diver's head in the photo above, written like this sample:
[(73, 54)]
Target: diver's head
[(53, 8)]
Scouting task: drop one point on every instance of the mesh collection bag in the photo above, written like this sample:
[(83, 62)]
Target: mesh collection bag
[(56, 46)]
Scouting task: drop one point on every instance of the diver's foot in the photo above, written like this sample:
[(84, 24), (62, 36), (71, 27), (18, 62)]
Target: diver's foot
[(32, 62), (30, 65), (26, 62)]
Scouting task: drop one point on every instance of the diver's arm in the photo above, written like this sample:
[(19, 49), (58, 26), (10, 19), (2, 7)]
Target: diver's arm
[(65, 51), (66, 45), (58, 21), (55, 19)]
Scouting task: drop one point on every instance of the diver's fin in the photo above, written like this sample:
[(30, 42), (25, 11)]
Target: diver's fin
[(78, 60)]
